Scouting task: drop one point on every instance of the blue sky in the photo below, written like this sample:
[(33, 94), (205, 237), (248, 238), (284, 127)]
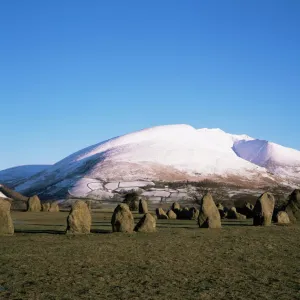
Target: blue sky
[(74, 73)]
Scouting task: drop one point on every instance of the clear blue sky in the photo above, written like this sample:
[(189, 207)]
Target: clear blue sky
[(74, 73)]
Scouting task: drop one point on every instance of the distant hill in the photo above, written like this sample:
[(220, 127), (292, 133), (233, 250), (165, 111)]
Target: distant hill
[(17, 175)]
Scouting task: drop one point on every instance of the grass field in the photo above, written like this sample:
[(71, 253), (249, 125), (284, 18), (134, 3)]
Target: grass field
[(180, 261)]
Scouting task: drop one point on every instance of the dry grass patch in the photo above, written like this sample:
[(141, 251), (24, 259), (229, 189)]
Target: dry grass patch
[(180, 261)]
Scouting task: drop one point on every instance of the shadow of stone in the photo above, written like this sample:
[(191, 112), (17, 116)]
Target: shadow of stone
[(176, 224), (106, 224), (39, 231), (102, 231), (45, 225), (235, 224), (176, 227)]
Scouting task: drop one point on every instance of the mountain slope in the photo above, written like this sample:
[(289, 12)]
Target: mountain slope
[(170, 153), (277, 159), (17, 175)]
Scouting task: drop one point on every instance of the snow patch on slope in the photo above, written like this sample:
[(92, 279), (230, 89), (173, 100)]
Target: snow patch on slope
[(276, 158)]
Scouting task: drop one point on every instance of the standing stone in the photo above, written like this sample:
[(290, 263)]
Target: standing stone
[(263, 210), (122, 219), (54, 207), (146, 224), (176, 207), (171, 214), (293, 206), (282, 218), (79, 220), (246, 210), (12, 194), (45, 206), (184, 214), (143, 206), (222, 212), (6, 223), (209, 216), (132, 200), (233, 214), (194, 213), (34, 204), (89, 204), (160, 213)]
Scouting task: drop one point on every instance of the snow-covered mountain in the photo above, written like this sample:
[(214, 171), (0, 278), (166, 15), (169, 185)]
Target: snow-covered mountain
[(17, 175), (277, 159), (168, 153)]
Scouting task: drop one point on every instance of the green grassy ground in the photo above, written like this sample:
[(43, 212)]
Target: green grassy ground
[(180, 261)]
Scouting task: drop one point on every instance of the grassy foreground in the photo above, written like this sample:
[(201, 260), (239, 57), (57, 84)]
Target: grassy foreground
[(180, 261)]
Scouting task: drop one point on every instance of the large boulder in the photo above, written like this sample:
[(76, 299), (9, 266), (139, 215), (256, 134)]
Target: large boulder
[(132, 200), (233, 214), (89, 204), (46, 206), (34, 204), (171, 214), (12, 194), (176, 207), (293, 206), (263, 210), (246, 209), (160, 213), (221, 210), (122, 219), (282, 218), (79, 220), (143, 206), (209, 216), (188, 213), (54, 207), (6, 223), (184, 214), (146, 224), (194, 213)]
